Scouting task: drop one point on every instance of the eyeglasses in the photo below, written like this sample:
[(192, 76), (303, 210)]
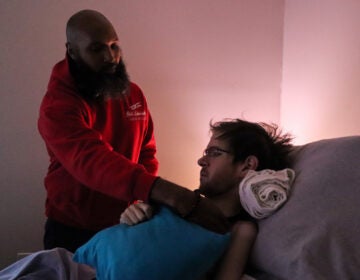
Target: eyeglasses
[(214, 152)]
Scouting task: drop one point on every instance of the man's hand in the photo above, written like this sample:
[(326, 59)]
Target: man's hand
[(185, 203), (207, 215), (136, 213)]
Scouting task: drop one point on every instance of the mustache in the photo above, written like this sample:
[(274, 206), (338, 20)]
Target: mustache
[(109, 66)]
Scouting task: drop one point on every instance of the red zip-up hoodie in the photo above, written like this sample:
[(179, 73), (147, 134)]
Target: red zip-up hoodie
[(102, 155)]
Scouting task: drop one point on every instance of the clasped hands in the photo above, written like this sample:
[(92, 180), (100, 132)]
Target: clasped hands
[(205, 214)]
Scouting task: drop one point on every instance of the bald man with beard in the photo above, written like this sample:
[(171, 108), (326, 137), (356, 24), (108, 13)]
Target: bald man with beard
[(99, 135)]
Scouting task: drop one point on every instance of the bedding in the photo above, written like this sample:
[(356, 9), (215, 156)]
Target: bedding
[(165, 247), (263, 192), (316, 234), (55, 264)]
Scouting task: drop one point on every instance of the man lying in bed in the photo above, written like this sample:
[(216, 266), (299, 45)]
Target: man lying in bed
[(236, 146)]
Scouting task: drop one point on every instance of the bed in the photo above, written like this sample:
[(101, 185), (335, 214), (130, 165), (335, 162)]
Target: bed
[(315, 235)]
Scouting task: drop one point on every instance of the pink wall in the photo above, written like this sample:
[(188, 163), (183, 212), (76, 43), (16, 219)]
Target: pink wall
[(321, 70), (195, 60), (198, 60)]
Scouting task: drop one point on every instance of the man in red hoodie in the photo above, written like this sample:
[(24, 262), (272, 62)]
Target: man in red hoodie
[(100, 139)]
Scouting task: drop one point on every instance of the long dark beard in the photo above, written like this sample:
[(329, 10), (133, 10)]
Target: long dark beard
[(98, 85)]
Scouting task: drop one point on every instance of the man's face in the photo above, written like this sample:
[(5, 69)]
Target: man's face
[(99, 68), (98, 47), (218, 173)]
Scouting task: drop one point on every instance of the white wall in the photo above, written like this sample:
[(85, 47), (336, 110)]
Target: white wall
[(321, 70), (195, 60)]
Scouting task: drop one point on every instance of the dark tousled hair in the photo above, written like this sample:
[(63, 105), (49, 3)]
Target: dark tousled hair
[(265, 141)]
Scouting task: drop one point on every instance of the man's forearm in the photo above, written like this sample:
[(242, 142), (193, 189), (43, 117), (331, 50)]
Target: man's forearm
[(233, 263), (178, 198)]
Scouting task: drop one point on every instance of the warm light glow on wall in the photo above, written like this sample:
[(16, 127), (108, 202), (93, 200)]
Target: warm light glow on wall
[(321, 70)]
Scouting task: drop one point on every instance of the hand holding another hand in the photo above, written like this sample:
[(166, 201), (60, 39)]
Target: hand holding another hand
[(189, 205), (136, 213), (207, 215)]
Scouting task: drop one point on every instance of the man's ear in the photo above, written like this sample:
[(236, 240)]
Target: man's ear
[(70, 50), (250, 163)]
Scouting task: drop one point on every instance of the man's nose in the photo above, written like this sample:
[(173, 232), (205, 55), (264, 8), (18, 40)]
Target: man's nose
[(202, 161), (109, 56)]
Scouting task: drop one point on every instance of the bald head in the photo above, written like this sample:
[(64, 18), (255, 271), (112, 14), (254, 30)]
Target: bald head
[(92, 40), (85, 23)]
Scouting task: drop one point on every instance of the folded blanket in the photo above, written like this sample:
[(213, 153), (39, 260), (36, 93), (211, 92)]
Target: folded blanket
[(263, 192)]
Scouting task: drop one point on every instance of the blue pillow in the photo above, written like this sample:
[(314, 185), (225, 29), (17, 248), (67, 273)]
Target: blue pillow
[(165, 247)]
